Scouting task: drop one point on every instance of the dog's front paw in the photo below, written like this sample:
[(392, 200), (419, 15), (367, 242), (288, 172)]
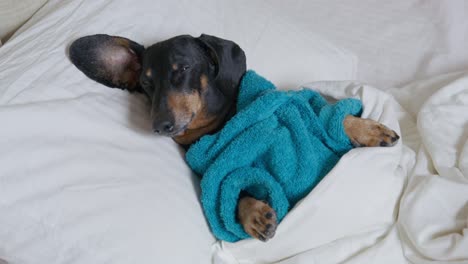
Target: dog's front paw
[(257, 218), (369, 133)]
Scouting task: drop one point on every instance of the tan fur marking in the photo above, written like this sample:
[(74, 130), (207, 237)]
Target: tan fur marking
[(203, 81), (175, 67), (148, 72), (184, 105), (194, 133), (202, 124)]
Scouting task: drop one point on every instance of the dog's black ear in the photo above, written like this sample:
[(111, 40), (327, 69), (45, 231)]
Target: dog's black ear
[(110, 60), (229, 63)]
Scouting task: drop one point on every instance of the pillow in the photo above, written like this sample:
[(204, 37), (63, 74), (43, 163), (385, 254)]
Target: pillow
[(82, 179), (14, 13)]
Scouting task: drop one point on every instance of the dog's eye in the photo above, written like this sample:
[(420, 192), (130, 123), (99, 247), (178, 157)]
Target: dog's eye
[(145, 83), (185, 67)]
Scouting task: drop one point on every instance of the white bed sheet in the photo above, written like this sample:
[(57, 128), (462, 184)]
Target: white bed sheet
[(83, 181)]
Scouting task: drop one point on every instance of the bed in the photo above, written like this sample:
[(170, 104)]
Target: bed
[(82, 179)]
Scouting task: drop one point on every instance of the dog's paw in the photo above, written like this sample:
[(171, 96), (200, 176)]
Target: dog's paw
[(369, 133), (257, 218)]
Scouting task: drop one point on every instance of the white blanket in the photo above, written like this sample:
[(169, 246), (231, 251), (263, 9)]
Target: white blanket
[(355, 214), (433, 221)]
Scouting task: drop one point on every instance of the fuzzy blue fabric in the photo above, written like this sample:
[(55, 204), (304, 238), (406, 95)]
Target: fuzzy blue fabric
[(277, 148)]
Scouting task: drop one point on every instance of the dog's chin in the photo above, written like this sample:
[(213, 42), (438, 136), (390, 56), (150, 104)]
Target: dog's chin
[(180, 129), (179, 132)]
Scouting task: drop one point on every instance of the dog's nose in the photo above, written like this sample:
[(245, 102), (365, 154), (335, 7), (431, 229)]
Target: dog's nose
[(164, 127)]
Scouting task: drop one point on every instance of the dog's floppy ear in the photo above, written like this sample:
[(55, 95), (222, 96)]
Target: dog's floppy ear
[(110, 60), (229, 63)]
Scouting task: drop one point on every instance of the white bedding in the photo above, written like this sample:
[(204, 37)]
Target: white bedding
[(406, 204), (83, 181)]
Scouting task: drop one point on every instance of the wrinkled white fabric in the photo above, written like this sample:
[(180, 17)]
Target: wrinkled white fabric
[(434, 210), (406, 204)]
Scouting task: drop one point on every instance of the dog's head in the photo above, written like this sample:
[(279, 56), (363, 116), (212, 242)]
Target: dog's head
[(191, 82)]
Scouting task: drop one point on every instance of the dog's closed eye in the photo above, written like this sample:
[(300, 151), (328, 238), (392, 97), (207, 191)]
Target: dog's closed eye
[(145, 82)]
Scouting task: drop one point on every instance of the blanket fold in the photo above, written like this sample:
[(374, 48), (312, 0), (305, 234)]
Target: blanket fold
[(277, 148)]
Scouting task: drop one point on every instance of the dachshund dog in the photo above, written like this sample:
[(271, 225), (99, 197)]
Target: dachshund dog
[(192, 84)]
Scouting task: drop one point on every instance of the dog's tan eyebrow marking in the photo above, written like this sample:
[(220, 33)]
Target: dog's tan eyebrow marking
[(148, 73), (203, 81), (175, 66)]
